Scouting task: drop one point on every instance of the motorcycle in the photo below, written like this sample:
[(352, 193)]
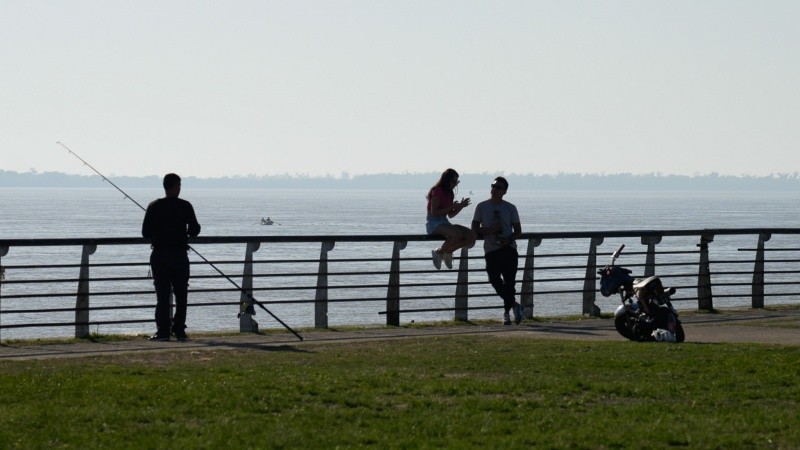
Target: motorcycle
[(646, 312)]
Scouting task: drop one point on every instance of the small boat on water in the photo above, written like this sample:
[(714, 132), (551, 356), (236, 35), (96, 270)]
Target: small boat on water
[(266, 221)]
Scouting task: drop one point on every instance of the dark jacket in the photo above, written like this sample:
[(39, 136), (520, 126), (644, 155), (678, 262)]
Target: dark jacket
[(169, 222)]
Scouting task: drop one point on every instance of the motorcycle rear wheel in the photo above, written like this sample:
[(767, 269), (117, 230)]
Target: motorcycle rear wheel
[(680, 336)]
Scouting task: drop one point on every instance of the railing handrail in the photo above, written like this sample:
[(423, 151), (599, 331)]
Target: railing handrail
[(390, 237)]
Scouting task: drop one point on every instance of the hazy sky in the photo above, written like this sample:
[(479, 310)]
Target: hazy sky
[(214, 88)]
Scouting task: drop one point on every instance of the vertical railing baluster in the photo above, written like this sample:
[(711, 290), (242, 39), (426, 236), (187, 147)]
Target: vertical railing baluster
[(526, 291), (247, 311), (650, 259), (758, 272), (393, 292), (704, 296), (590, 281), (321, 297), (82, 300), (462, 287)]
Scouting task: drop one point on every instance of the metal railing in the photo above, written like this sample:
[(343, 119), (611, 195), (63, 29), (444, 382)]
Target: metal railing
[(553, 267)]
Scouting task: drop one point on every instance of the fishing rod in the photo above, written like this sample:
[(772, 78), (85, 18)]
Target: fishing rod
[(249, 295)]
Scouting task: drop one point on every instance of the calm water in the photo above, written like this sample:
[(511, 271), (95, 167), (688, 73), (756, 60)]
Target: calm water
[(53, 213), (103, 212)]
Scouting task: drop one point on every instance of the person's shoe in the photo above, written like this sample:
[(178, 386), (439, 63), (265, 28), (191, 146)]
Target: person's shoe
[(437, 259), (517, 313), (506, 319), (448, 260), (180, 335), (160, 337)]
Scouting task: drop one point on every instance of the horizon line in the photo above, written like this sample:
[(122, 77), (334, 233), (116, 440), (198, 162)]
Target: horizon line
[(350, 176)]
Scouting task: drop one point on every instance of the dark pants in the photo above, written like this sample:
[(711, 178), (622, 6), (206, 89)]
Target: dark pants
[(170, 272), (501, 266)]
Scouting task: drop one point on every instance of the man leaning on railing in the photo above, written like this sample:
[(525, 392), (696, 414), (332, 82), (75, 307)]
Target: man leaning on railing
[(498, 222)]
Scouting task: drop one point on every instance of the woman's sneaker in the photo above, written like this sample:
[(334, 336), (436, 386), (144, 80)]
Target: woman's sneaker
[(448, 260), (437, 259), (506, 319)]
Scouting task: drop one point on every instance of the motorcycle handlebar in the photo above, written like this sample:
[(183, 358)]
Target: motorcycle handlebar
[(615, 255)]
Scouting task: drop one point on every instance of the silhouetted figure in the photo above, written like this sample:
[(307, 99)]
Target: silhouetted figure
[(441, 206), (169, 222), (498, 222)]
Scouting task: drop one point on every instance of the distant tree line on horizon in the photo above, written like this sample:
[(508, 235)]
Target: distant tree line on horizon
[(470, 181)]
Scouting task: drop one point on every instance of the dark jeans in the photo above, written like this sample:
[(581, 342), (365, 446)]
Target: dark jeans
[(170, 272), (501, 266)]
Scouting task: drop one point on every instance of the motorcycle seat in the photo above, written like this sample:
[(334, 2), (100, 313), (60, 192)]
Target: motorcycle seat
[(652, 284), (649, 282)]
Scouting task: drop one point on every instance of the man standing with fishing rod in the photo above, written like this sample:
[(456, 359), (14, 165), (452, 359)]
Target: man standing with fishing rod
[(169, 222), (127, 197)]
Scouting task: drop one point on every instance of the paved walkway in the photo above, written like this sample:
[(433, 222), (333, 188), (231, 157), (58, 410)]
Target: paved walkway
[(754, 326)]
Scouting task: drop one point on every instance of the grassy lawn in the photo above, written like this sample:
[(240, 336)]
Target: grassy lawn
[(453, 391)]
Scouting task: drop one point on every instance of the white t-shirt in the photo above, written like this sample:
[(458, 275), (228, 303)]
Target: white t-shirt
[(488, 213)]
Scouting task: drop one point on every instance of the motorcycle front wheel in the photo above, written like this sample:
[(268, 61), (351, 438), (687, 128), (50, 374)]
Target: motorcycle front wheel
[(621, 324)]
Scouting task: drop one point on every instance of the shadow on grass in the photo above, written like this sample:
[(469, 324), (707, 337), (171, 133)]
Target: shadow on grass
[(265, 347)]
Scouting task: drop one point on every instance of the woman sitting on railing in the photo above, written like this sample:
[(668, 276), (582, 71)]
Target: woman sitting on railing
[(441, 205)]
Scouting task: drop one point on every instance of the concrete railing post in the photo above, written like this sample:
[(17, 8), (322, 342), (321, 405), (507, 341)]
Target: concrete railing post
[(3, 252), (82, 300), (590, 281), (247, 311), (462, 287), (526, 291), (758, 272), (704, 297), (650, 260), (393, 292), (321, 297)]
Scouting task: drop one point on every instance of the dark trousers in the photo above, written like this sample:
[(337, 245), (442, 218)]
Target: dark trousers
[(170, 272), (501, 266)]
